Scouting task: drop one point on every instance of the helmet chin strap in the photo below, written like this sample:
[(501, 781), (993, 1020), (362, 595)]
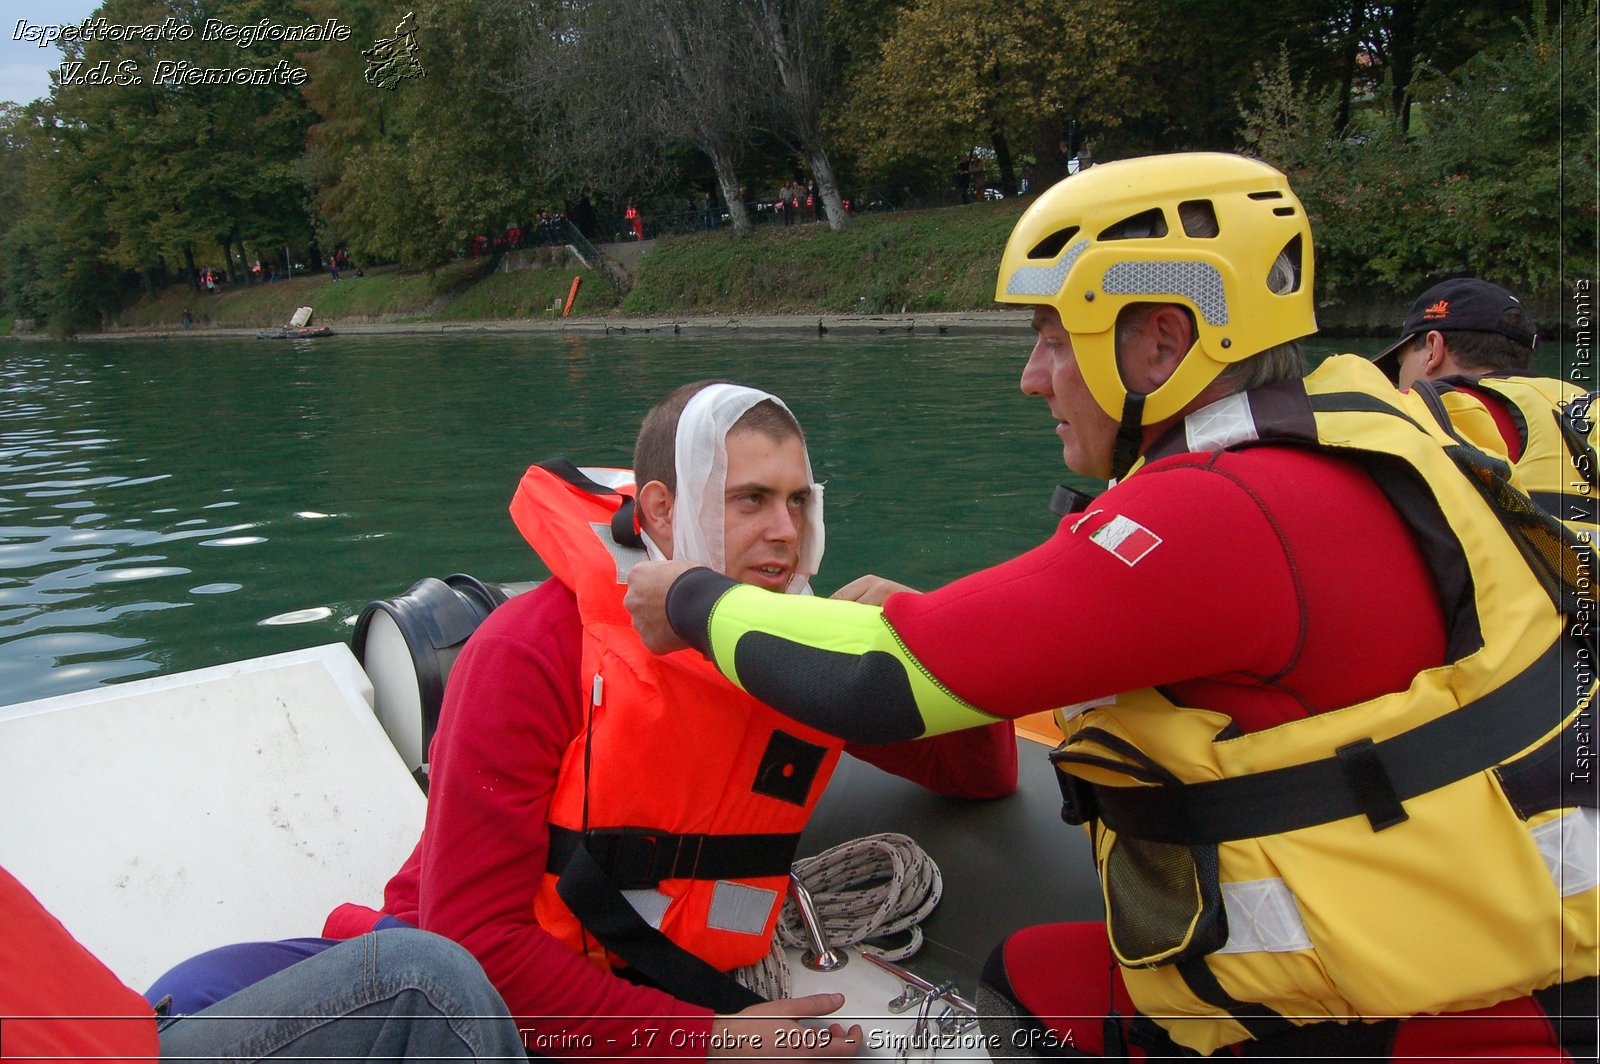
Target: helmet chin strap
[(1130, 435)]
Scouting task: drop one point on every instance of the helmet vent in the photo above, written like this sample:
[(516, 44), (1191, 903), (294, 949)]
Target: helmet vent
[(1145, 224), (1283, 212), (1284, 277), (1051, 246), (1273, 194), (1199, 219)]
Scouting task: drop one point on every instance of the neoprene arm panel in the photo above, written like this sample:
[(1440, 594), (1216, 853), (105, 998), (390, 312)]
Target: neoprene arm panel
[(835, 666)]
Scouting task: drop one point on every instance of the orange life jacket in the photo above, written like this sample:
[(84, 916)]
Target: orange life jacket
[(689, 794)]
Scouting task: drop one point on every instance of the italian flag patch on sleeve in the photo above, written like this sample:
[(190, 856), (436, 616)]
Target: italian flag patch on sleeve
[(1126, 538)]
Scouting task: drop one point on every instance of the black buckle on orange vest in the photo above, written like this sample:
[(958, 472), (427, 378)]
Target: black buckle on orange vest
[(639, 858), (636, 859)]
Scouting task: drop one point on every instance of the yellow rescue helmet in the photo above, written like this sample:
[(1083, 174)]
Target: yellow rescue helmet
[(1113, 235)]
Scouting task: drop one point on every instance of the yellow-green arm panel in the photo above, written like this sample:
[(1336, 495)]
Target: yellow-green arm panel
[(836, 666)]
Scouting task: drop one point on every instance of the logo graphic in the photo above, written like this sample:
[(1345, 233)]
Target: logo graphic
[(394, 59), (1437, 311), (1126, 538)]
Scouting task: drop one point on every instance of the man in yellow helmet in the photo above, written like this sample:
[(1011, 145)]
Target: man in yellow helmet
[(1318, 707)]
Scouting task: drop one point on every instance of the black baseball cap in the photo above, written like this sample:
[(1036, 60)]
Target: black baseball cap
[(1464, 304)]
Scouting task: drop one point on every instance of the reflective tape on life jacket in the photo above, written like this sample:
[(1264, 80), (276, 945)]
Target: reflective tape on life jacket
[(686, 793), (1430, 850)]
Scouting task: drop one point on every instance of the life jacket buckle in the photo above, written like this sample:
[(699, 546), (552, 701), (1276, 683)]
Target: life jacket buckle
[(632, 858), (1078, 804)]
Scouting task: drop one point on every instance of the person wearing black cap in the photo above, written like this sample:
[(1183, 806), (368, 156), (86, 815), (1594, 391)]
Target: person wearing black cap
[(1475, 337)]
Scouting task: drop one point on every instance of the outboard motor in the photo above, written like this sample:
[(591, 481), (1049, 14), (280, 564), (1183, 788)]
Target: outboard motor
[(407, 646)]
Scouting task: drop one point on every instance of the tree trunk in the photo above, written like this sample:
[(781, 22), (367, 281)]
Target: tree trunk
[(1002, 158), (244, 258), (728, 180), (1352, 49), (227, 262), (828, 189), (1402, 61), (188, 262)]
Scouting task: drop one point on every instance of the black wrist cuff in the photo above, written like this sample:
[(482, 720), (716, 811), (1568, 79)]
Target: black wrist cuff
[(689, 603)]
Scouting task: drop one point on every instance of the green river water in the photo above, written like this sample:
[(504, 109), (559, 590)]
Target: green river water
[(168, 505)]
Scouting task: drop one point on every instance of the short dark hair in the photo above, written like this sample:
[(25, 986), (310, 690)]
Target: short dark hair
[(655, 451), (1489, 351)]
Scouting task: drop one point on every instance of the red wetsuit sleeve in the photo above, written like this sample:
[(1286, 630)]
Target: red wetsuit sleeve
[(977, 763), (512, 706), (1248, 581)]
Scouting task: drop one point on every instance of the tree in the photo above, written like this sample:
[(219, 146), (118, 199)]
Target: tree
[(787, 43), (438, 158), (1403, 38), (583, 78), (1518, 203), (1402, 211)]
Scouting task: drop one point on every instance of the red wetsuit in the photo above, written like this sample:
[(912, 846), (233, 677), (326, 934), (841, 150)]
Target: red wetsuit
[(512, 707), (1267, 583), (1283, 584)]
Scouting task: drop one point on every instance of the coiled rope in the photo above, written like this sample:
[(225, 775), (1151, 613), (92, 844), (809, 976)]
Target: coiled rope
[(865, 889)]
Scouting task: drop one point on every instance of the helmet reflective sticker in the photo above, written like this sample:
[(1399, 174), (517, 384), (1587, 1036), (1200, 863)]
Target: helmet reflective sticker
[(1199, 281), (1045, 280)]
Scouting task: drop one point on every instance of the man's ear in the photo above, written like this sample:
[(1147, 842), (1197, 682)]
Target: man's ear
[(1166, 336), (1437, 362), (655, 514)]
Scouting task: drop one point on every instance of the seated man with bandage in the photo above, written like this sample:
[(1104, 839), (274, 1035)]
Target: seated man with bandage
[(608, 831)]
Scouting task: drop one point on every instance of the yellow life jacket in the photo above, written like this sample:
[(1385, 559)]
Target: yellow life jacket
[(1430, 850), (1559, 436), (678, 808)]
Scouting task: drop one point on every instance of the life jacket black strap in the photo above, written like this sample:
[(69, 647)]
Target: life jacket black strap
[(1130, 435), (598, 904), (637, 858), (1260, 1020), (564, 468), (1566, 506), (1451, 747), (1575, 425), (623, 528)]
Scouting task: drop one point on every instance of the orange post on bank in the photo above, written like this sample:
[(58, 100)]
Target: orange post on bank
[(571, 295)]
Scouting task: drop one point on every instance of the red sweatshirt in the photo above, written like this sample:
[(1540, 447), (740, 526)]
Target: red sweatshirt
[(512, 707), (57, 1000)]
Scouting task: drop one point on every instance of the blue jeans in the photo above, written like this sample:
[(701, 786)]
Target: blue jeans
[(391, 995)]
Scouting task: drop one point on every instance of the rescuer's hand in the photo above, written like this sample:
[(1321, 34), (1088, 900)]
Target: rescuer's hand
[(871, 590), (769, 1029), (648, 584)]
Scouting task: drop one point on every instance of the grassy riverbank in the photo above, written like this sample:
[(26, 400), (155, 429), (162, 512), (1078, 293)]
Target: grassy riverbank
[(899, 263), (903, 262)]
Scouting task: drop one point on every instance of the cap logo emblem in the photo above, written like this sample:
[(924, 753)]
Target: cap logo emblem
[(1437, 311)]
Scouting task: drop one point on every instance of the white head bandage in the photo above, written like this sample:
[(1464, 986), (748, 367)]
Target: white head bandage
[(702, 466)]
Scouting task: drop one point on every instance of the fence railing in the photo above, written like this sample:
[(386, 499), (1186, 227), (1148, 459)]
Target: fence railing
[(592, 257)]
